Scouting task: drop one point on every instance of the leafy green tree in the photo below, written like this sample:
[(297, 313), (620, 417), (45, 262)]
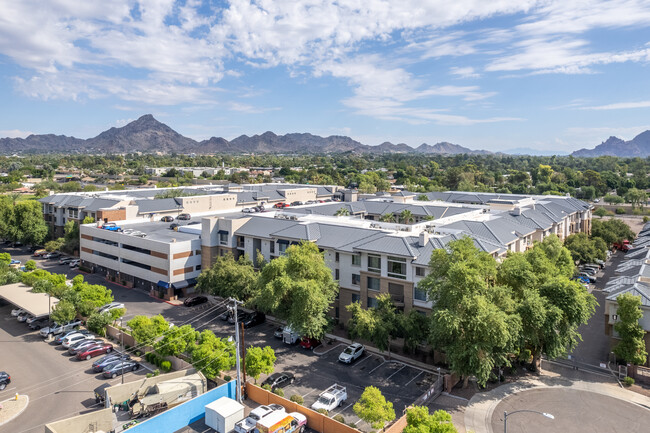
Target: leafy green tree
[(600, 212), (213, 355), (298, 287), (146, 329), (63, 312), (30, 226), (631, 348), (585, 250), (423, 197), (611, 231), (387, 218), (55, 245), (613, 199), (406, 217), (259, 360), (30, 265), (373, 408), (228, 277), (71, 236), (88, 220), (472, 320), (418, 420), (378, 325), (5, 258), (413, 328), (342, 212), (97, 322), (636, 197), (177, 340)]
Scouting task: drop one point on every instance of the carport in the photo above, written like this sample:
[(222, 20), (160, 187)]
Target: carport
[(21, 295)]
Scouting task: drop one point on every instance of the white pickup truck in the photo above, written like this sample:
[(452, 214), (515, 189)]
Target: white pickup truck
[(331, 398)]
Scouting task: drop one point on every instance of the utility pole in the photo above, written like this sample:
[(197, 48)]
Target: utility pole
[(243, 345), (233, 308), (122, 361)]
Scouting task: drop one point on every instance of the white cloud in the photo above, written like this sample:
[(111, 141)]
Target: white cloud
[(619, 106), (464, 72), (247, 108), (14, 133)]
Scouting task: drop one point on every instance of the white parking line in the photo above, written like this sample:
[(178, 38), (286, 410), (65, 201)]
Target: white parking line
[(344, 409), (357, 422), (364, 359), (7, 390), (308, 393), (418, 375), (371, 371), (403, 367)]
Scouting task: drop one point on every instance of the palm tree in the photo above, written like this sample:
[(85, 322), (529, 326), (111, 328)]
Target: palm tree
[(342, 212), (387, 218), (406, 216)]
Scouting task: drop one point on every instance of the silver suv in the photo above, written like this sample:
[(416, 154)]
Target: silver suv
[(57, 329)]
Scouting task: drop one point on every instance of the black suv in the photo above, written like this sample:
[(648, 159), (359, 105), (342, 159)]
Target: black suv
[(5, 380), (252, 319)]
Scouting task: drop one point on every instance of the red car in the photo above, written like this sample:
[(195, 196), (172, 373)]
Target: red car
[(309, 343), (94, 350)]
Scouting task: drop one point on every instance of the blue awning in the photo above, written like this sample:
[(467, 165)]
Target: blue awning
[(163, 284), (180, 284), (283, 241)]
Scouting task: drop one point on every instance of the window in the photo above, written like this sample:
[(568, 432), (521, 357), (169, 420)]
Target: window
[(282, 247), (356, 298), (336, 257), (336, 274), (372, 302), (374, 263), (420, 271), (419, 295), (356, 279), (397, 267), (272, 247), (373, 283), (198, 267), (356, 260), (223, 238), (240, 242)]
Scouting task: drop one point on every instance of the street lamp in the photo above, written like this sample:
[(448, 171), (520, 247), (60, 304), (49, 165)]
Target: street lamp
[(122, 360), (506, 415)]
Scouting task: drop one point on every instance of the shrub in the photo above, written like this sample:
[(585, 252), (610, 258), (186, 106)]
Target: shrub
[(620, 210), (278, 391), (149, 375), (147, 356), (156, 372), (267, 387), (636, 212), (227, 378), (340, 419), (628, 381), (323, 411), (166, 366), (645, 219), (297, 399)]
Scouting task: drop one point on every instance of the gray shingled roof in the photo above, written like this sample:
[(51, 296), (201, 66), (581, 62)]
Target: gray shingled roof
[(392, 245), (261, 227), (309, 231), (157, 205)]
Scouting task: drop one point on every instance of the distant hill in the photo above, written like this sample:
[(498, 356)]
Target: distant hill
[(614, 146), (148, 135), (533, 152)]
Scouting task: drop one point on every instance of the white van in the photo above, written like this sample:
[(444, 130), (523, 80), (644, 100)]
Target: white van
[(289, 336)]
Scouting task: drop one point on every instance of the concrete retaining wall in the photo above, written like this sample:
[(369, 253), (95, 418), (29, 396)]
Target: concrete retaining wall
[(120, 393), (182, 415), (316, 421), (100, 420), (115, 333)]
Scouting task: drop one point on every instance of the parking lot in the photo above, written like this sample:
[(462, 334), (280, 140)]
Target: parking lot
[(399, 383)]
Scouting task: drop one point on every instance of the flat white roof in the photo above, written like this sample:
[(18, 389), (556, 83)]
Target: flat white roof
[(21, 295)]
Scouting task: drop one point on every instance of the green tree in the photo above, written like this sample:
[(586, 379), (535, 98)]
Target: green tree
[(378, 325), (613, 199), (5, 258), (97, 322), (631, 348), (146, 329), (213, 355), (88, 220), (228, 277), (298, 287), (63, 312), (585, 250), (30, 226), (71, 236), (342, 212), (611, 231), (259, 360), (637, 197), (600, 212), (30, 265), (55, 245), (177, 340), (406, 217), (387, 218), (472, 320), (373, 408), (418, 420), (413, 328)]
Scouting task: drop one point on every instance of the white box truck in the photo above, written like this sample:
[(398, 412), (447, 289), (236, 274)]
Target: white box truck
[(222, 414), (289, 336)]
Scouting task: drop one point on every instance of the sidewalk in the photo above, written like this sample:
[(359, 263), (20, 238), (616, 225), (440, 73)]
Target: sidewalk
[(12, 408)]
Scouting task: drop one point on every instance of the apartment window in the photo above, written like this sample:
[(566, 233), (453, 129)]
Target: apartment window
[(419, 295), (356, 260), (282, 246), (108, 256), (136, 249), (373, 283), (136, 264), (356, 298), (240, 242), (198, 267), (336, 257), (336, 274), (374, 263), (356, 279), (397, 267), (372, 302), (272, 247), (223, 238), (420, 271)]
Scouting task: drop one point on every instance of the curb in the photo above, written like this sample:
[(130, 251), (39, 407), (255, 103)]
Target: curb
[(19, 412)]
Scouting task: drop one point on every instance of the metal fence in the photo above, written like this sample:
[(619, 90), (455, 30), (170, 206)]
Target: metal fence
[(432, 393)]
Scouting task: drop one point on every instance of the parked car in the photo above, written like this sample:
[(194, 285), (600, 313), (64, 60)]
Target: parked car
[(252, 319), (591, 278), (71, 339), (120, 367), (226, 316), (352, 353), (40, 252), (60, 339), (35, 247), (74, 263), (309, 343), (5, 380), (278, 333), (195, 300), (57, 329), (39, 323), (183, 217), (17, 311), (81, 345), (23, 316), (247, 425), (53, 255), (65, 260), (247, 210), (109, 307), (32, 319), (174, 226), (279, 380), (111, 227), (94, 350), (331, 398), (106, 361), (167, 219)]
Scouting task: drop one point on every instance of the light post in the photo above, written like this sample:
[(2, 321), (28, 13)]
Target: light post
[(506, 415), (234, 309), (122, 360)]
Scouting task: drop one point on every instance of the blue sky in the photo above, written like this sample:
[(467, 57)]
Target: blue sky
[(497, 75)]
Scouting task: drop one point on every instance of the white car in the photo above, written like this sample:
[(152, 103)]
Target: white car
[(74, 263), (109, 307), (17, 311), (23, 317), (73, 338), (352, 353)]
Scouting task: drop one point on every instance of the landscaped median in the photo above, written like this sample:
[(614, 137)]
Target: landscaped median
[(13, 407)]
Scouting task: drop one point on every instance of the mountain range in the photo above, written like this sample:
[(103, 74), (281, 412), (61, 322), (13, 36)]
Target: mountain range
[(614, 146), (148, 135)]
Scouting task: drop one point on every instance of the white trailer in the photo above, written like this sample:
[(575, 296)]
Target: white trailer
[(223, 414)]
